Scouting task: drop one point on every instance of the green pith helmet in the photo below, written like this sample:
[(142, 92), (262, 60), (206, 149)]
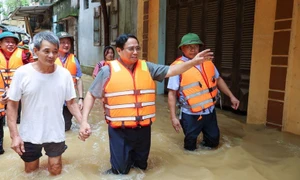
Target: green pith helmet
[(63, 34), (9, 34), (190, 38)]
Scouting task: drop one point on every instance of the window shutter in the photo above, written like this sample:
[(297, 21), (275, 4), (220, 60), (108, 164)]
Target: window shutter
[(97, 26)]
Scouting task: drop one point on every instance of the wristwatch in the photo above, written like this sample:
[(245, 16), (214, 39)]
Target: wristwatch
[(81, 98)]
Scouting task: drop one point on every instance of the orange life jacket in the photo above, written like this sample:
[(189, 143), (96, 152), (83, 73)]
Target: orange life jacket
[(69, 64), (8, 69), (199, 88), (129, 98)]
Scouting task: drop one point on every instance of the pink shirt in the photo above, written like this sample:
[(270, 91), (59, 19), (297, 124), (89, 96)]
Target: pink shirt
[(97, 68)]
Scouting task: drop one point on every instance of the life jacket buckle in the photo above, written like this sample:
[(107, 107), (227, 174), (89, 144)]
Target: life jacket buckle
[(200, 84), (138, 105), (213, 79), (137, 92), (138, 118)]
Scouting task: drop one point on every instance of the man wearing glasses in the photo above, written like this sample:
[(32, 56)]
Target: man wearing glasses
[(196, 93), (127, 89)]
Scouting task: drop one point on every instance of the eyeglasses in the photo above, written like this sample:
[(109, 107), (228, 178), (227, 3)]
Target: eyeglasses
[(192, 47), (132, 48), (64, 42)]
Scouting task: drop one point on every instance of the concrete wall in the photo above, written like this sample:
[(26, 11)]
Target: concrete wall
[(89, 54)]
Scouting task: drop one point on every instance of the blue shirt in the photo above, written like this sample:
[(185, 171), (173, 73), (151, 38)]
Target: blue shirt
[(174, 84), (78, 69)]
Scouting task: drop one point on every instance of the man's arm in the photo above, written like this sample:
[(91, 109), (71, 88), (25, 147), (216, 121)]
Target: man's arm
[(17, 143), (74, 109), (201, 57), (79, 85), (85, 128), (80, 93), (172, 108), (88, 105), (224, 88)]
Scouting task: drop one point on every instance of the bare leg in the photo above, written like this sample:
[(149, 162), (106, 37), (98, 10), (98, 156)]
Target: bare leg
[(54, 165), (32, 166)]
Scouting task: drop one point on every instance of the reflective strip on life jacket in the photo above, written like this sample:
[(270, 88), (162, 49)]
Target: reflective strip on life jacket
[(200, 93), (202, 104), (145, 91), (190, 86), (7, 70), (133, 118), (137, 105)]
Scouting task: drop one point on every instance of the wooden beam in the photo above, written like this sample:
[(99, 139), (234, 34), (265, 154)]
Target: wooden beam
[(28, 27)]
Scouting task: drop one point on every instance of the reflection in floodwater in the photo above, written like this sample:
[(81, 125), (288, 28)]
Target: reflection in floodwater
[(248, 152)]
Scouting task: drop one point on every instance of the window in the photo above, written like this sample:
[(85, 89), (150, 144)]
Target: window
[(97, 26), (112, 17), (86, 4)]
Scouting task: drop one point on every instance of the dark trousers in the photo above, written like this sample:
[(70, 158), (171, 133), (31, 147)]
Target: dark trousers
[(68, 118), (192, 127), (2, 120), (129, 148)]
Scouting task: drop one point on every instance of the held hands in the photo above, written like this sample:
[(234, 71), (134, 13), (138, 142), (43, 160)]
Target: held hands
[(84, 131), (205, 55)]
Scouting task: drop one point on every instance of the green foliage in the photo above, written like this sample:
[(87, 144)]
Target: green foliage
[(2, 10), (13, 4)]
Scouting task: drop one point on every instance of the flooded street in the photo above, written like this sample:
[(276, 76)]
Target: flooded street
[(248, 152)]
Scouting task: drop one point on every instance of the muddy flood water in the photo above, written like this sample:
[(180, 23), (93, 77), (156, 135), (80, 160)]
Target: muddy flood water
[(246, 152)]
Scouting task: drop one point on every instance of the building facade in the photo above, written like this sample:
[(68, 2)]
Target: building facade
[(122, 18), (255, 45)]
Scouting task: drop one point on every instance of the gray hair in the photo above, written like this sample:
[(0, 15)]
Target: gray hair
[(47, 36)]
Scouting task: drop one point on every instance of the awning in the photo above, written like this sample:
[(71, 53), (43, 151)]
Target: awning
[(29, 11), (26, 12), (13, 29)]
